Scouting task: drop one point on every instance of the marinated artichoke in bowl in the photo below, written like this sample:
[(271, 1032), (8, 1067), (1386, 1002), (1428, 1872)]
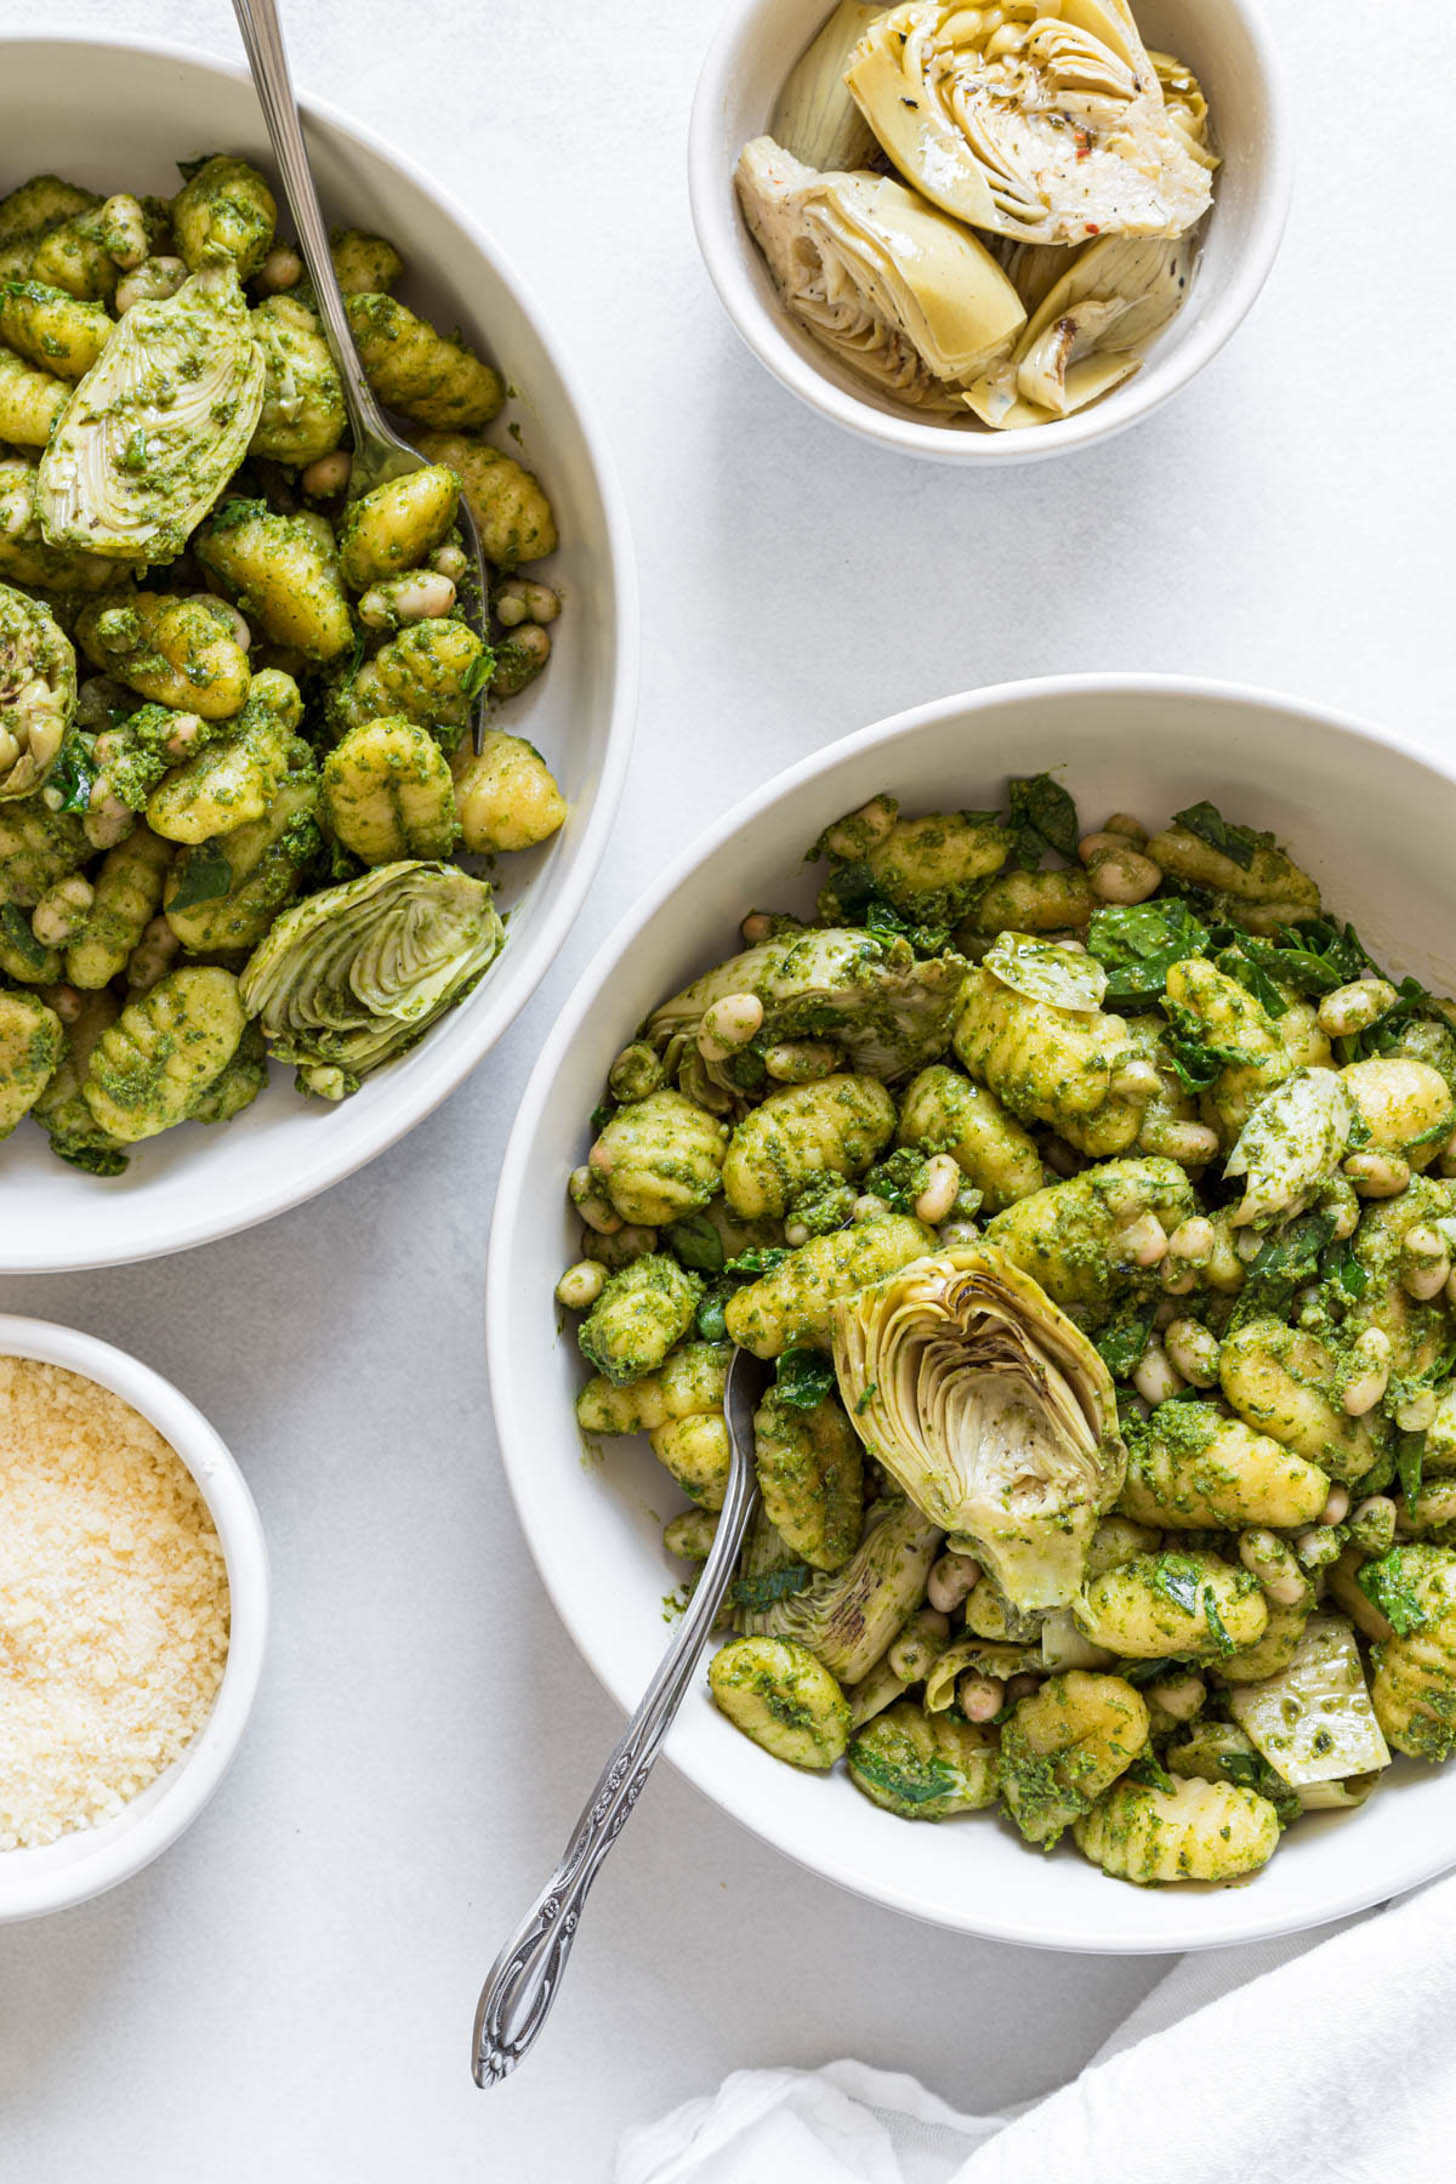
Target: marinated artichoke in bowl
[(987, 213), (240, 817), (1092, 1196)]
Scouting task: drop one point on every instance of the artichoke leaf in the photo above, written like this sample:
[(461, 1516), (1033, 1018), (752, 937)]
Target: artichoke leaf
[(990, 1410), (901, 295), (158, 425), (1089, 333), (37, 691), (815, 118), (1314, 1722), (848, 1617), (1186, 107), (1047, 128), (890, 1013), (1291, 1145), (349, 978), (1044, 970)]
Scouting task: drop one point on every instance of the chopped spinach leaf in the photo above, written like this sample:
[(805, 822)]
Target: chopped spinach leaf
[(1043, 817), (206, 875), (600, 1116), (883, 920), (1341, 1266), (1284, 1265), (1236, 843), (1384, 1585), (757, 1593), (1217, 1628), (1138, 945), (1145, 1769), (1121, 1345), (1241, 964), (751, 1264), (73, 777), (1198, 1060), (805, 1378), (697, 1243)]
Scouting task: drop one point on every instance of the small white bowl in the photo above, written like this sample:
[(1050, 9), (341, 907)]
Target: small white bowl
[(1374, 821), (1223, 41), (90, 1860), (119, 115)]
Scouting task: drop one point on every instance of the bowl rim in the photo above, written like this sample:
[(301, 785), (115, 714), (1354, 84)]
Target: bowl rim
[(201, 1765), (716, 219), (519, 1440), (527, 962)]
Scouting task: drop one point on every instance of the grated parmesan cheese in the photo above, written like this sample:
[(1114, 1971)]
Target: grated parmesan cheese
[(113, 1604)]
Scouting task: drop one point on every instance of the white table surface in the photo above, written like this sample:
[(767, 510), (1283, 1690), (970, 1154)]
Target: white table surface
[(289, 1991)]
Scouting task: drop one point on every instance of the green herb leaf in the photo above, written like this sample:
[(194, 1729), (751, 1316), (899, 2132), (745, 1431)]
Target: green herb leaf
[(1284, 1264), (74, 775), (478, 674), (697, 1243), (712, 1324), (1043, 817), (1314, 957), (1198, 1060), (1410, 1460), (92, 1159), (1234, 842), (1217, 1628), (1345, 1270), (1145, 1769), (1180, 1579), (757, 1593), (1384, 1585), (600, 1116), (932, 1780), (1121, 1345), (1239, 963), (1138, 946), (883, 920), (206, 875), (753, 1263), (805, 1378), (21, 941)]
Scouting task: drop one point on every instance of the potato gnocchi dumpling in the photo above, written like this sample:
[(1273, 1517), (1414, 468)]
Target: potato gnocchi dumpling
[(1104, 1268), (237, 694)]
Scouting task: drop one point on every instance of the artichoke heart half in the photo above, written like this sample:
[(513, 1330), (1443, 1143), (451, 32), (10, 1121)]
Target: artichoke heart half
[(157, 426), (815, 118), (37, 691), (898, 293), (350, 978), (990, 1409), (1089, 332), (847, 1617), (890, 1013), (1043, 122)]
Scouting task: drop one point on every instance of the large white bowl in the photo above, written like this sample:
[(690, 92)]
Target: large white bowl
[(119, 116), (1374, 822), (1223, 41), (57, 1875)]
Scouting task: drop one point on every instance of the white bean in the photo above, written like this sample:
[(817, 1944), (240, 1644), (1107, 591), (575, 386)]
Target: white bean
[(914, 1653), (1337, 1506), (1136, 1081), (1123, 875), (942, 1184), (1124, 823), (1191, 1144), (1427, 1267), (757, 927), (1378, 1175), (451, 561), (581, 1285), (953, 1233), (1194, 1352), (869, 1207), (951, 1578), (1144, 1242), (1193, 1240), (421, 596), (981, 1697), (729, 1024), (860, 831), (327, 475), (1155, 1377), (282, 268), (1181, 1698), (801, 1061), (1417, 1414), (242, 634)]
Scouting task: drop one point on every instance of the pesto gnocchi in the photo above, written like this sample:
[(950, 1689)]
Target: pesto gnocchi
[(234, 698), (1105, 1263)]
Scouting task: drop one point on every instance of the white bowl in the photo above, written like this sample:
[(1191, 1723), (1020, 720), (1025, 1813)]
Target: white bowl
[(90, 1860), (119, 116), (1223, 41), (1374, 822)]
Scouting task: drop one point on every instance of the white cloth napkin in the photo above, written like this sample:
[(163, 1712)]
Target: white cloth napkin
[(1313, 2060)]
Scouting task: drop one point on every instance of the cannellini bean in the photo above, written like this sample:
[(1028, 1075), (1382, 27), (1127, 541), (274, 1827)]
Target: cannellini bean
[(1371, 1358), (450, 561), (520, 600), (1123, 875), (591, 1201), (867, 1207), (756, 927), (242, 634), (581, 1285), (1194, 1352), (1144, 1242), (950, 1580), (1318, 1547), (1427, 1262), (914, 1653), (1378, 1175), (1093, 845), (942, 1183), (150, 282), (1273, 1563), (150, 957), (729, 1024), (1248, 1245), (1181, 1698), (1416, 1415), (1355, 1007), (981, 1698), (1155, 1377), (1193, 1241), (108, 821), (1021, 1686), (952, 1233), (282, 268), (328, 475), (1191, 1144), (795, 1233), (1337, 1506), (422, 596), (1123, 822), (1135, 1081)]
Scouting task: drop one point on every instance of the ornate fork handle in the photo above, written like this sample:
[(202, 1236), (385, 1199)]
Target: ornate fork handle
[(523, 1981)]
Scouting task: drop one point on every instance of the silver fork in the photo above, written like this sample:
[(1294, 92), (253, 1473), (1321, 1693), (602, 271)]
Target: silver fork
[(523, 1981), (379, 452)]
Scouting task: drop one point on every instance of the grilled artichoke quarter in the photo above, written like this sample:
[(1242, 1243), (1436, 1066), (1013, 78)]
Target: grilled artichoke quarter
[(157, 426), (350, 978), (990, 1409), (1042, 120), (37, 691), (901, 295)]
